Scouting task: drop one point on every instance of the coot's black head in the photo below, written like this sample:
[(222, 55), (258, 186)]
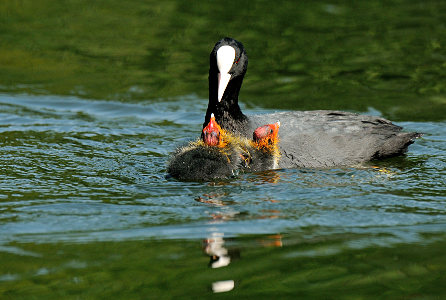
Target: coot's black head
[(228, 65)]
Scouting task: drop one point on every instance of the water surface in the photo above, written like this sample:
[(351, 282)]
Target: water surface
[(96, 96), (80, 175)]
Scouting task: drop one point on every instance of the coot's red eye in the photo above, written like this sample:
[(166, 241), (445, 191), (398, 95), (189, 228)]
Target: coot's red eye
[(236, 62)]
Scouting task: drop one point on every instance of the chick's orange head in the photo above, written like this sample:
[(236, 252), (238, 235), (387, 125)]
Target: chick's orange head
[(212, 133), (267, 135)]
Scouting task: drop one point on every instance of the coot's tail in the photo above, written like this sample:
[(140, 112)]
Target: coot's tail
[(396, 145)]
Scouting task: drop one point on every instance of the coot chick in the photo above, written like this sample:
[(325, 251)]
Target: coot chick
[(265, 148), (321, 138), (220, 155)]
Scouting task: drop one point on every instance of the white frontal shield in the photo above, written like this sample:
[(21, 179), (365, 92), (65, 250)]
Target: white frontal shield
[(225, 60)]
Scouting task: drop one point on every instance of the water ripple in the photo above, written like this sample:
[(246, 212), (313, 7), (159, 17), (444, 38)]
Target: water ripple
[(79, 170)]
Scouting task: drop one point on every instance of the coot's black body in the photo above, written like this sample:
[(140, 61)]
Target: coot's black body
[(320, 139)]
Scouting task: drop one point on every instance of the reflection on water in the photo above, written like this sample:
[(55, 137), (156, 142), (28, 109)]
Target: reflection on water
[(173, 268), (214, 244), (223, 286), (220, 256), (214, 247)]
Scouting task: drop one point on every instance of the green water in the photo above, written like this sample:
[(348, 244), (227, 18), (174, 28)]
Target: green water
[(94, 96), (329, 55), (165, 269)]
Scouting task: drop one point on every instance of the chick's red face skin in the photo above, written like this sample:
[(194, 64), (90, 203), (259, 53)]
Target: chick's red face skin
[(266, 135), (211, 138), (212, 133)]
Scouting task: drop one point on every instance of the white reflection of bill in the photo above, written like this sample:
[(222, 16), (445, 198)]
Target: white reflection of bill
[(214, 247), (222, 286)]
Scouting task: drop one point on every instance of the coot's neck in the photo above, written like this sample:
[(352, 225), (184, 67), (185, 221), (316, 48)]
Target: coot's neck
[(227, 112)]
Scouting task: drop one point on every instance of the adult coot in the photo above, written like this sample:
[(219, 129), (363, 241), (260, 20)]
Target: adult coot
[(221, 155), (321, 138)]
